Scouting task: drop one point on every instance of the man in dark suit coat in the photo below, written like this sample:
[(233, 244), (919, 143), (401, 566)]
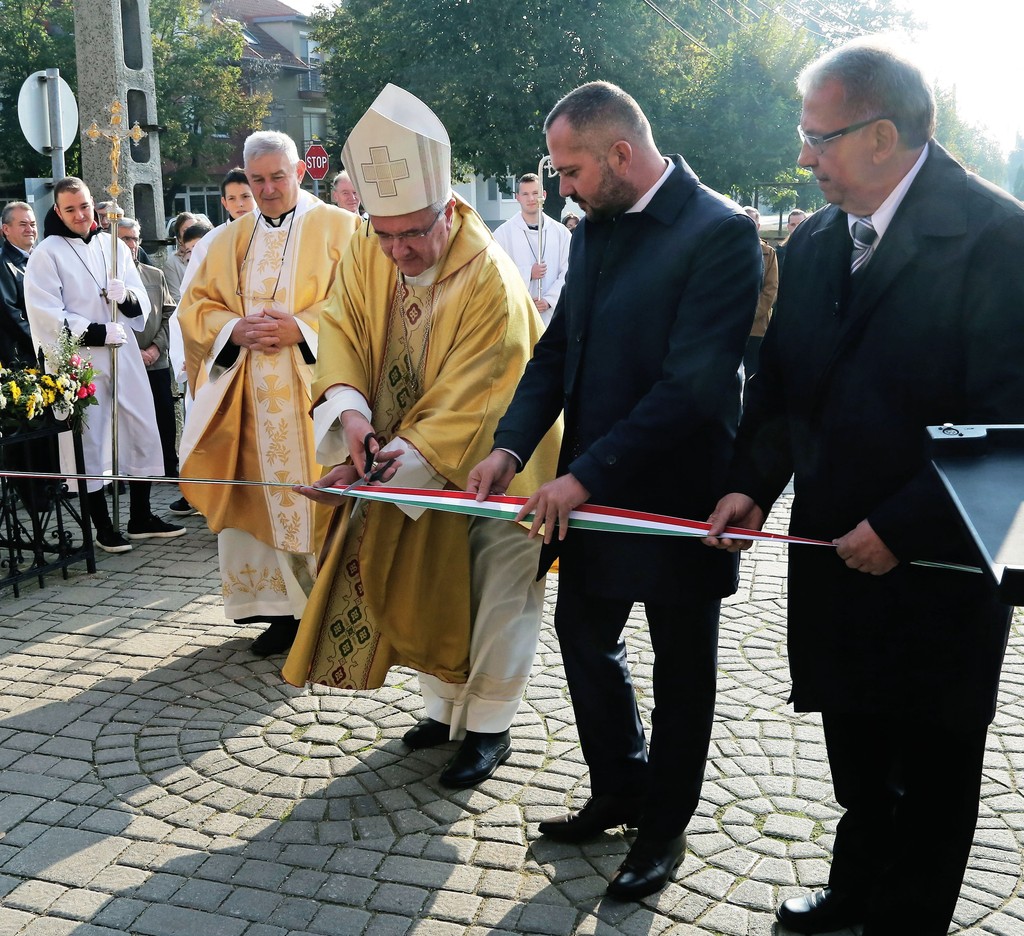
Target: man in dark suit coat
[(19, 230), (641, 357), (902, 661)]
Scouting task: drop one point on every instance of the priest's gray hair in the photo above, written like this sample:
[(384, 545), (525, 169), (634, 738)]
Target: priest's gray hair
[(439, 206), (878, 81), (127, 223), (265, 142)]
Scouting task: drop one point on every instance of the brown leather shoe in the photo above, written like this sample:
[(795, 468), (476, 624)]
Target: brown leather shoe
[(599, 814)]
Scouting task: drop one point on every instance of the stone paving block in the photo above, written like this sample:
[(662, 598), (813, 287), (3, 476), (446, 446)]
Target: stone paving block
[(163, 920), (388, 924), (333, 920), (50, 926), (435, 928), (201, 895), (353, 890), (68, 856), (398, 899), (36, 896), (536, 918), (80, 904), (14, 921), (251, 903)]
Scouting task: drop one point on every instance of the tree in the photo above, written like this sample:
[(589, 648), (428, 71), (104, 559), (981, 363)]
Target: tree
[(204, 99), (33, 36), (739, 114), (969, 143), (490, 72)]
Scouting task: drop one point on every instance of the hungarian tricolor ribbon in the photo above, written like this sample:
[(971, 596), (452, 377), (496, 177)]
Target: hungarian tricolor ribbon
[(499, 507), (585, 517)]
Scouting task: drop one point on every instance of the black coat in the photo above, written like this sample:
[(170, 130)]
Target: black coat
[(16, 345), (642, 355), (851, 373)]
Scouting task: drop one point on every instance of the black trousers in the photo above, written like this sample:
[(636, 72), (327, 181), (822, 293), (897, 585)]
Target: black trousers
[(685, 643), (910, 788), (163, 403)]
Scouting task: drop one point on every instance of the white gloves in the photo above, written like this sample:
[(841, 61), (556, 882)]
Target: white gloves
[(116, 290), (116, 335)]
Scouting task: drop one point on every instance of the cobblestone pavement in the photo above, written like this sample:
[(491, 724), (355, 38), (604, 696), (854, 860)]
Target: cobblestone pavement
[(156, 779)]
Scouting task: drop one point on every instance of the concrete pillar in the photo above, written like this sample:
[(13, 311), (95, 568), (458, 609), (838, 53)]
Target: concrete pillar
[(114, 49)]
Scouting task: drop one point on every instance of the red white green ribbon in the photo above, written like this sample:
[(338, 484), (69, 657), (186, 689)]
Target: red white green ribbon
[(586, 517), (501, 507)]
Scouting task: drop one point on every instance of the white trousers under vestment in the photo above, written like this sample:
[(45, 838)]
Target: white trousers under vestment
[(506, 606), (258, 580)]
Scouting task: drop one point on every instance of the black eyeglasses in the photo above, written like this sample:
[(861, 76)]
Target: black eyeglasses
[(387, 239), (818, 140)]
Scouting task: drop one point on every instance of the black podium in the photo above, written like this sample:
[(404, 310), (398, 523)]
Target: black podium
[(982, 468)]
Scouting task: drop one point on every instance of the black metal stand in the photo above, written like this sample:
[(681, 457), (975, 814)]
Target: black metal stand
[(43, 525)]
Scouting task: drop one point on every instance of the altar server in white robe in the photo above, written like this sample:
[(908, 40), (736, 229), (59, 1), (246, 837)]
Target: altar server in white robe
[(68, 286)]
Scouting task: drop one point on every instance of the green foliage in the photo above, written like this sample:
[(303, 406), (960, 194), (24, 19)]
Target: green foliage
[(204, 100), (491, 72), (969, 143), (34, 35), (741, 109)]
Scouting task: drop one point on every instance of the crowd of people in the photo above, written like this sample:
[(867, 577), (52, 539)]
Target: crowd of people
[(391, 339)]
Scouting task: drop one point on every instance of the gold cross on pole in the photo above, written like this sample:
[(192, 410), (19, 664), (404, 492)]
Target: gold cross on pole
[(116, 135)]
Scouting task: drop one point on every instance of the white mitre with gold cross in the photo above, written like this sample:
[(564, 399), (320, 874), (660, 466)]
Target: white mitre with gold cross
[(398, 156)]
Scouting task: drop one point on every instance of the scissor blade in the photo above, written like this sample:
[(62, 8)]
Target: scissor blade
[(359, 482)]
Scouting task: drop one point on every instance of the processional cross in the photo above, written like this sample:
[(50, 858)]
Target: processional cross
[(116, 135)]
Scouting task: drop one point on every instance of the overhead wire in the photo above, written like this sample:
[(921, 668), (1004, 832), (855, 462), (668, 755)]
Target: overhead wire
[(668, 19)]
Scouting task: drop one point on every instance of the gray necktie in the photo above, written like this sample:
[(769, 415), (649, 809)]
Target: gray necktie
[(864, 235)]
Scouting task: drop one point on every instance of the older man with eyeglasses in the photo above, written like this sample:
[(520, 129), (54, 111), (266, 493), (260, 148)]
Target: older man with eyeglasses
[(899, 308), (249, 319), (429, 329)]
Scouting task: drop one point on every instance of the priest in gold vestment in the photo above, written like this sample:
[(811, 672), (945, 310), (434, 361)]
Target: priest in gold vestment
[(249, 320), (423, 341)]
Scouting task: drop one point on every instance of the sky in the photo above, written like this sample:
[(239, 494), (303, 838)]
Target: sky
[(974, 45)]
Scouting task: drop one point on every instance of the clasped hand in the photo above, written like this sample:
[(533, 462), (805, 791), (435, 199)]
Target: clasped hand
[(268, 331)]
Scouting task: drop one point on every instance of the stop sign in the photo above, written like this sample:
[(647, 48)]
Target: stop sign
[(317, 161)]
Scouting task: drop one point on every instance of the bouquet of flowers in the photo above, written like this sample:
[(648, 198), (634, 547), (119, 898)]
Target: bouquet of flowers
[(65, 390)]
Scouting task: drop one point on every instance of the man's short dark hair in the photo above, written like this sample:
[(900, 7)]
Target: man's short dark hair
[(527, 177), (68, 184), (600, 104), (877, 81), (195, 231), (234, 176)]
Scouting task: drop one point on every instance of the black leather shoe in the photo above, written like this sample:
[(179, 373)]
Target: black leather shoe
[(275, 639), (598, 814), (823, 911), (647, 867), (427, 732), (480, 755)]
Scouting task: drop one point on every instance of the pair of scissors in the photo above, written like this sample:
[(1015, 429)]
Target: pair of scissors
[(375, 470)]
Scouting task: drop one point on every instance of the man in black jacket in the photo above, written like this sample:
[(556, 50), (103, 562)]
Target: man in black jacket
[(19, 229), (641, 357), (900, 308)]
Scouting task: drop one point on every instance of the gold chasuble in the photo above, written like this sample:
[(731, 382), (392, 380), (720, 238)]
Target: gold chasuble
[(250, 419), (438, 366)]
